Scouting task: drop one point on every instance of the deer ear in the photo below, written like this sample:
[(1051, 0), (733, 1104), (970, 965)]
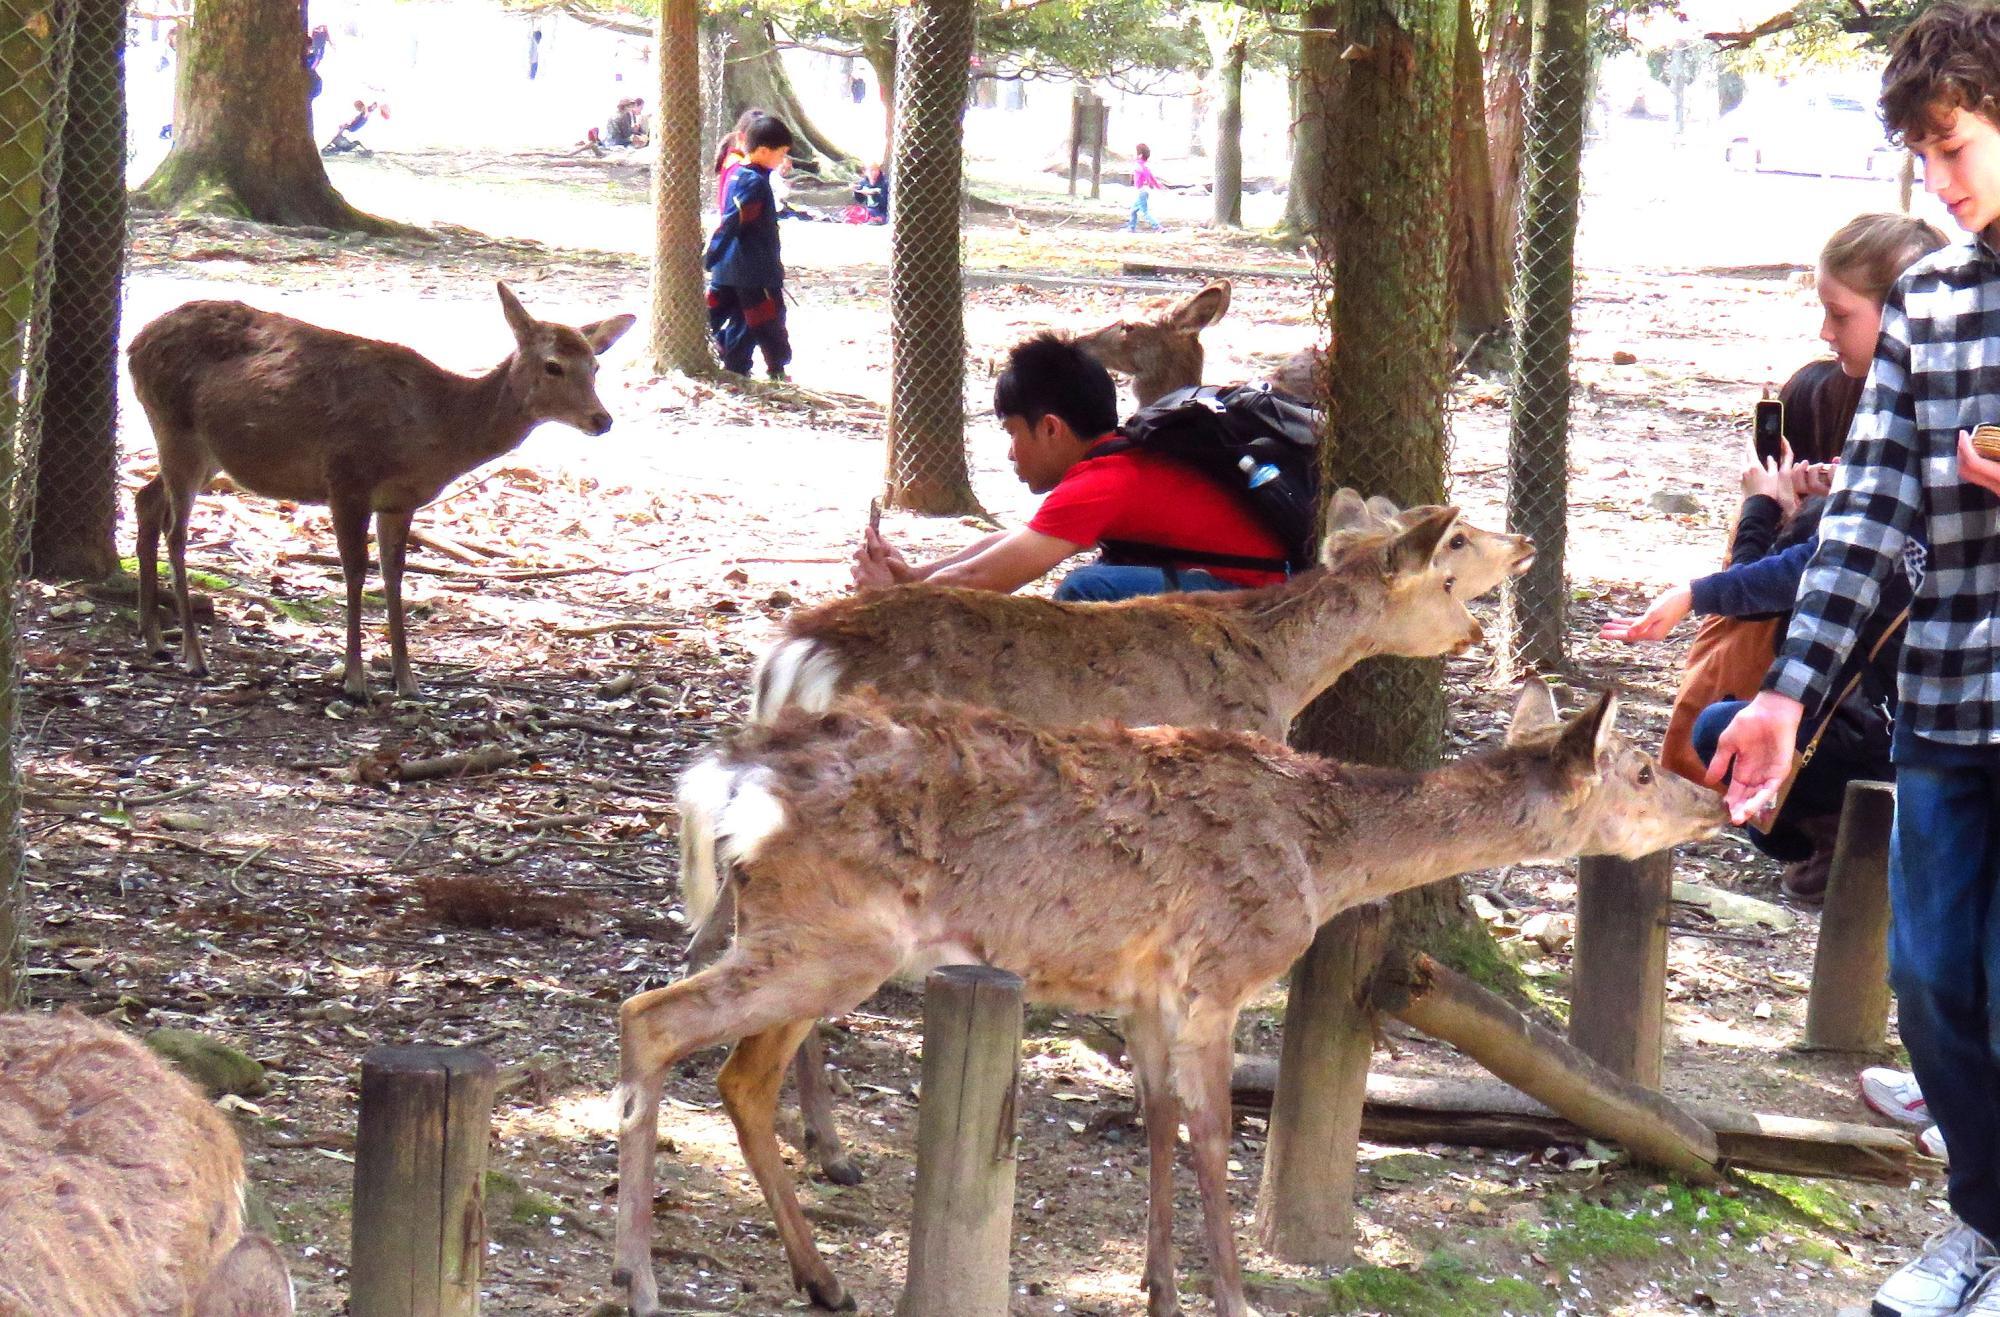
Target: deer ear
[(1534, 711), (250, 1278), (1347, 512), (1410, 552), (517, 315), (1589, 735), (601, 334), (1202, 309), (1383, 509)]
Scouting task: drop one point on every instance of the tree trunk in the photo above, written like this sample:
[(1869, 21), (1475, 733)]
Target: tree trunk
[(28, 53), (680, 321), (1534, 606), (1228, 187), (1312, 124), (927, 469), (878, 47), (1509, 38), (74, 532), (243, 145), (1387, 233), (753, 74), (1479, 264)]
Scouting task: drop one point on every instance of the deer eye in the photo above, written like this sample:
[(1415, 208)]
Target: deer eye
[(552, 368), (1457, 541), (1645, 775)]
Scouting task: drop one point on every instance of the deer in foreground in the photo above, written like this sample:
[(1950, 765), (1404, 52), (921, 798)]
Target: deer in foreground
[(1162, 350), (293, 411), (121, 1187), (1390, 583), (1164, 874)]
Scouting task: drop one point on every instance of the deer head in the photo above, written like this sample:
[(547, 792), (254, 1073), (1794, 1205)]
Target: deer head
[(1606, 795), (1476, 559), (1161, 352), (554, 368)]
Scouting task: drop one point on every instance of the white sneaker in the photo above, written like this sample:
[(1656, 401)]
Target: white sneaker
[(1937, 1281), (1894, 1093), (1931, 1144), (1984, 1299)]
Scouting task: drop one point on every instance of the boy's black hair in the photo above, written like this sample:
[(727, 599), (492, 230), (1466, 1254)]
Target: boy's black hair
[(1948, 59), (766, 130), (1049, 375)]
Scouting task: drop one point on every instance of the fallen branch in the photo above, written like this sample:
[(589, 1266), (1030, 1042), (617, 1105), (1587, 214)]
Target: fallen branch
[(610, 628), (459, 765)]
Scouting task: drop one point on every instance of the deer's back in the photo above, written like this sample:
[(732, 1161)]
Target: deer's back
[(276, 402), (119, 1184), (1102, 864), (1182, 660)]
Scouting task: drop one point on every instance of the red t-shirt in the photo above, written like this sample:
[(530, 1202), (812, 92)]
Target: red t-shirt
[(1150, 499)]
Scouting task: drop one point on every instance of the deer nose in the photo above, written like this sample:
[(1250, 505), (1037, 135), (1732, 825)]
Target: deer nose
[(1478, 636), (599, 423)]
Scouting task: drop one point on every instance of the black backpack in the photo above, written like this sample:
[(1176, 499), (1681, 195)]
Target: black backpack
[(1213, 428)]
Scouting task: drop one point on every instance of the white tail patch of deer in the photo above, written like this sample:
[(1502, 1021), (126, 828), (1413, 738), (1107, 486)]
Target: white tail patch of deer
[(798, 674)]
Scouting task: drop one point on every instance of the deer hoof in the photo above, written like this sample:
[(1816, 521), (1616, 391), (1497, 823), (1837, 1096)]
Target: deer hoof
[(641, 1299), (841, 1170), (830, 1295)]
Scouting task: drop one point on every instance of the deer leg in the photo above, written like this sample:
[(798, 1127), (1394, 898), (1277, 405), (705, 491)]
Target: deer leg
[(392, 539), (749, 991), (1202, 1068), (350, 531), (750, 1081), (823, 1144), (179, 507), (150, 507), (1146, 1041)]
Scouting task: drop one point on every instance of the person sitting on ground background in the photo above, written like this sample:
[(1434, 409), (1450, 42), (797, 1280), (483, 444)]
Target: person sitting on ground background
[(1058, 405), (623, 127), (1775, 537), (871, 197), (344, 137)]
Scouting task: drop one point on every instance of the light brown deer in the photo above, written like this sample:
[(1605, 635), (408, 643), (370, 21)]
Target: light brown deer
[(1162, 350), (121, 1187), (1390, 583), (1163, 874), (371, 429)]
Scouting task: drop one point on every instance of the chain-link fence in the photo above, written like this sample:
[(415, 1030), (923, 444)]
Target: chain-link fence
[(35, 44), (1534, 607), (927, 468)]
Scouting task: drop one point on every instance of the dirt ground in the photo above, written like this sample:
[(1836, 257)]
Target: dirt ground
[(225, 855)]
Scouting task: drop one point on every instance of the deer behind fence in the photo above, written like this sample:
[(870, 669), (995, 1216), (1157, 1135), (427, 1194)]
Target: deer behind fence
[(1161, 348)]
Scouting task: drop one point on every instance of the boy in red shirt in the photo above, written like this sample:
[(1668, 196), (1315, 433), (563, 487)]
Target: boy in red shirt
[(1175, 528)]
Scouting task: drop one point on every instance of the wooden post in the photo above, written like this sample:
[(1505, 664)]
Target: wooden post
[(419, 1182), (1848, 1010), (1075, 135), (963, 1217), (1101, 118), (1618, 1011), (1305, 1204)]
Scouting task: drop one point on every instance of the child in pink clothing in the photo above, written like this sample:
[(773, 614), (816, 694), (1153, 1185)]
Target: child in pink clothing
[(1143, 182)]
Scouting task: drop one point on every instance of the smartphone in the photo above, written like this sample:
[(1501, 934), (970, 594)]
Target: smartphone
[(875, 515), (1770, 430)]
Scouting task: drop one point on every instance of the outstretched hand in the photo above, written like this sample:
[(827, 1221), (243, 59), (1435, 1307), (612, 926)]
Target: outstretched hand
[(1755, 754), (1665, 614), (878, 564)]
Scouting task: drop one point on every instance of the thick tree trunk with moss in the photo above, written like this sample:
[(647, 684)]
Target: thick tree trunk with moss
[(1313, 118), (76, 472), (1228, 187), (1479, 264), (753, 74), (27, 82), (243, 144), (680, 319), (1387, 227)]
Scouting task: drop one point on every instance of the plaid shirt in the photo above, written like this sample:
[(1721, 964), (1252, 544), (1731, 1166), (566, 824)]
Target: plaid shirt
[(1936, 372)]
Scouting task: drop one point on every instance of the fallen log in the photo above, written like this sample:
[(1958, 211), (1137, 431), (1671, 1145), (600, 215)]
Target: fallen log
[(1486, 1113)]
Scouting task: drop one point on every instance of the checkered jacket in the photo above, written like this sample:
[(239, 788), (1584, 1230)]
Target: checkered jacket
[(1936, 372)]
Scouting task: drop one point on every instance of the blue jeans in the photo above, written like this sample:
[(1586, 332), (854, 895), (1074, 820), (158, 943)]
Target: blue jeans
[(1944, 956), (1102, 583), (1142, 209)]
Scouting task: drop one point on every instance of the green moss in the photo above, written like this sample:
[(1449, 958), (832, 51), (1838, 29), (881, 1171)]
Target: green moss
[(1467, 947), (1445, 1283), (507, 1199)]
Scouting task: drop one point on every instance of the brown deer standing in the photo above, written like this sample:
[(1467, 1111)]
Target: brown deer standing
[(1393, 583), (121, 1187), (1162, 351), (1164, 874), (371, 429)]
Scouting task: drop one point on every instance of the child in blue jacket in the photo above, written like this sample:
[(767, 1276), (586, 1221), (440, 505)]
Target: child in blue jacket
[(746, 277)]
